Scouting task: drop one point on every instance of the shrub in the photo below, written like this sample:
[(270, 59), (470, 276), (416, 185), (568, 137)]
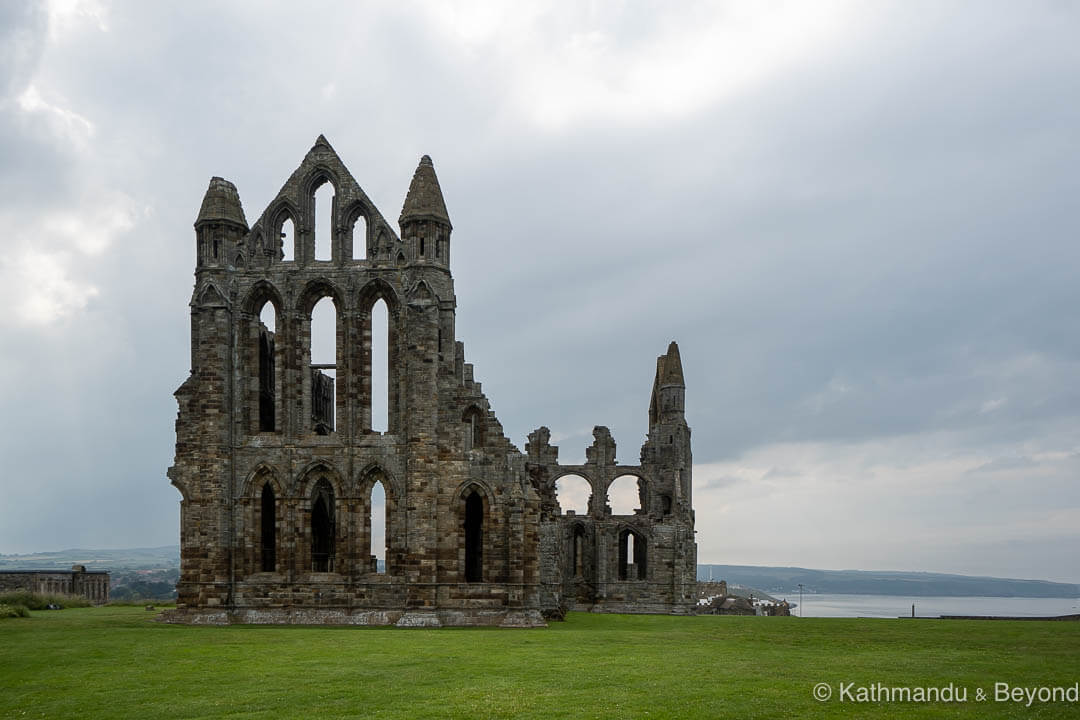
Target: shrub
[(40, 601), (12, 611)]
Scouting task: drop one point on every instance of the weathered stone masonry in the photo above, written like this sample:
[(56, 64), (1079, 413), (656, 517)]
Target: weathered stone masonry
[(90, 584), (276, 460)]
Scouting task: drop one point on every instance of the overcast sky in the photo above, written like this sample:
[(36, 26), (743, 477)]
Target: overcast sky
[(859, 221)]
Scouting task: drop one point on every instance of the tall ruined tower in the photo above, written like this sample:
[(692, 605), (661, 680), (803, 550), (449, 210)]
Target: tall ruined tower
[(640, 562), (277, 455)]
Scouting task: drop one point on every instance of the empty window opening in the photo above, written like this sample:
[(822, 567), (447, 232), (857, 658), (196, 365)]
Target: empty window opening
[(380, 366), (665, 501), (268, 523), (323, 365), (421, 248), (625, 495), (322, 527), (631, 556), (288, 240), (438, 244), (577, 558), (378, 527), (474, 537), (474, 428), (217, 247), (572, 493), (267, 364), (359, 238), (324, 221)]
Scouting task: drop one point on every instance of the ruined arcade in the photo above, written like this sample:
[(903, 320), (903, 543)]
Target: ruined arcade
[(276, 455)]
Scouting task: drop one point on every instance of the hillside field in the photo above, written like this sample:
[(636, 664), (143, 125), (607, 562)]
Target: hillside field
[(114, 662)]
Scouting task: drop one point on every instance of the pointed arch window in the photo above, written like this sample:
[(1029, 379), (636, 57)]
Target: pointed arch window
[(322, 527), (379, 380), (577, 552), (359, 238), (474, 537), (323, 201), (268, 529), (323, 353), (267, 363), (288, 240), (632, 552), (378, 521)]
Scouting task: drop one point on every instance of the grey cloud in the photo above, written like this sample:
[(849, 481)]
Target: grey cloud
[(1005, 463), (871, 244)]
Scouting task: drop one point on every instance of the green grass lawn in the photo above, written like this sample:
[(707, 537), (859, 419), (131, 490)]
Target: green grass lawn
[(113, 662)]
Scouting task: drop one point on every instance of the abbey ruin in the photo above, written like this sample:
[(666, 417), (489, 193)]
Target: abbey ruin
[(277, 455)]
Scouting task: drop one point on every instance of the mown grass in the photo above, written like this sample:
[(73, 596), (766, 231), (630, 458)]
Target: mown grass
[(113, 662), (40, 601)]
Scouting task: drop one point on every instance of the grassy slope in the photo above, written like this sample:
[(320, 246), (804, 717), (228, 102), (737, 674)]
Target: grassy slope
[(112, 662)]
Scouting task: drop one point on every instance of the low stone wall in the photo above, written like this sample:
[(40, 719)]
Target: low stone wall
[(92, 585)]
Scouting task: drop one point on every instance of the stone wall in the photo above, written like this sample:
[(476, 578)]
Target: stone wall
[(92, 585)]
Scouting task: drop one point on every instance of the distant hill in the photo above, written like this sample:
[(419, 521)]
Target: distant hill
[(167, 556), (785, 580), (782, 581)]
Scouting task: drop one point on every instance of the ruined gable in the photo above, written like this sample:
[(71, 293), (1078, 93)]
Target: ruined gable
[(277, 455)]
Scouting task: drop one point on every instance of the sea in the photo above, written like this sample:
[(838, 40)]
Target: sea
[(891, 606)]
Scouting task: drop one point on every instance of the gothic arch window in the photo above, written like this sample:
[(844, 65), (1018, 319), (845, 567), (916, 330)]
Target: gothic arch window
[(632, 556), (268, 529), (324, 332), (474, 537), (378, 522), (359, 237), (287, 234), (577, 552), (323, 201), (322, 527), (379, 377), (267, 363), (379, 307)]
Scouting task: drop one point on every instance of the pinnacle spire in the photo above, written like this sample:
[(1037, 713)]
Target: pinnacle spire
[(424, 199)]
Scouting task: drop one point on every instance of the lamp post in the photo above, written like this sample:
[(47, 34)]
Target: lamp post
[(800, 600)]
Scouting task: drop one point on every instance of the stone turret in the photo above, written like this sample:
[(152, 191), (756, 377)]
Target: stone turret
[(220, 226), (668, 401), (425, 224)]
